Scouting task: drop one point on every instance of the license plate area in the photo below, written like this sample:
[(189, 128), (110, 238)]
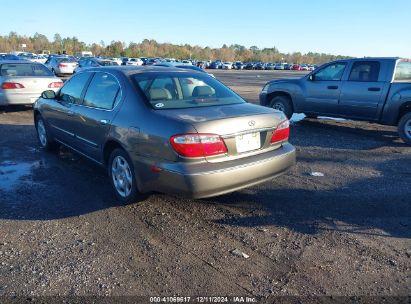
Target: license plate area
[(248, 142)]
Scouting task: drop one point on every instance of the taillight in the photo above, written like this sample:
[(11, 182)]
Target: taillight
[(11, 85), (62, 65), (58, 84), (198, 145), (282, 132)]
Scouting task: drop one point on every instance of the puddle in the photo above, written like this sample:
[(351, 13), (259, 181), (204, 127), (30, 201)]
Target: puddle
[(300, 116), (12, 173), (297, 117)]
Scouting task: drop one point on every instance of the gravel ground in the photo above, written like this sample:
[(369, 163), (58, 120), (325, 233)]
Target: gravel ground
[(347, 233)]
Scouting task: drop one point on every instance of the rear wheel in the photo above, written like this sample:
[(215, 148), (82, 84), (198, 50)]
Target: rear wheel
[(43, 135), (404, 128), (122, 177), (283, 104)]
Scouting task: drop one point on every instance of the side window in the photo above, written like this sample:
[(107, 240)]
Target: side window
[(71, 91), (103, 92), (367, 71), (403, 71), (331, 72)]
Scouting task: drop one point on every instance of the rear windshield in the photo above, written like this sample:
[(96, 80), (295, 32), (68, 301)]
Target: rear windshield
[(403, 71), (108, 63), (65, 60), (184, 90), (24, 69)]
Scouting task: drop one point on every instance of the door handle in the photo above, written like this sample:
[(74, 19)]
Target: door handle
[(332, 87), (104, 122), (70, 113), (374, 89)]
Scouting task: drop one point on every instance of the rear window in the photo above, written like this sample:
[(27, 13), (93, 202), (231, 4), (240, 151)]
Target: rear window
[(24, 69), (108, 63), (184, 90), (65, 60), (403, 71)]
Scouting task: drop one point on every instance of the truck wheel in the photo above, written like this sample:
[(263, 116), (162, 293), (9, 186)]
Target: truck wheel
[(404, 128), (282, 103)]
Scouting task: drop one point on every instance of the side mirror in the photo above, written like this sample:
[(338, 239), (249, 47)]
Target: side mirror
[(49, 94)]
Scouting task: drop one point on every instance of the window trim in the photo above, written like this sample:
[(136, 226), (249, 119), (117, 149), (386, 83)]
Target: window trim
[(364, 61), (88, 85), (330, 64), (82, 92)]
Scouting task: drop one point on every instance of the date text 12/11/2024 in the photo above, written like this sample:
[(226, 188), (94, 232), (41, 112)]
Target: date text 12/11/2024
[(177, 299)]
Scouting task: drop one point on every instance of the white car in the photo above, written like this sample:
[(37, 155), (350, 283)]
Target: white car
[(134, 61), (38, 58), (61, 65), (117, 60), (227, 65)]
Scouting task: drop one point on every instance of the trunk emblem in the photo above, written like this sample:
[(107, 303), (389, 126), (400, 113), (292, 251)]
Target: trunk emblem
[(251, 123)]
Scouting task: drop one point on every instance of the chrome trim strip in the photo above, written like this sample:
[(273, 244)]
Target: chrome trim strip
[(87, 141), (248, 132), (62, 130)]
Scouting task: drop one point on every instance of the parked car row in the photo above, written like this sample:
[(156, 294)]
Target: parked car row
[(238, 65), (172, 128)]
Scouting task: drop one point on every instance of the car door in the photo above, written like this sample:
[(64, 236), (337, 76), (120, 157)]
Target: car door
[(96, 113), (362, 92), (60, 114), (323, 89)]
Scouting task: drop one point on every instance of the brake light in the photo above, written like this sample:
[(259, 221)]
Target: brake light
[(62, 65), (282, 132), (58, 84), (198, 145), (11, 85)]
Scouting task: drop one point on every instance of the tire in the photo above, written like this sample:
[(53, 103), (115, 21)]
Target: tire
[(282, 103), (43, 135), (404, 128), (124, 181)]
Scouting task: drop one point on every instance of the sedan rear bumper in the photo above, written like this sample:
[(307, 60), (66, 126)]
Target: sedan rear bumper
[(18, 98), (212, 179)]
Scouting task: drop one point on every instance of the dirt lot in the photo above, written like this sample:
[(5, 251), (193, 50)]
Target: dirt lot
[(346, 233)]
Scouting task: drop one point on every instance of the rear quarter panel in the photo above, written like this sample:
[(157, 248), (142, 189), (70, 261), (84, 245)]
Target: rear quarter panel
[(399, 95)]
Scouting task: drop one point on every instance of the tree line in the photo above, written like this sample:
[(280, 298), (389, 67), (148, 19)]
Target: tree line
[(151, 48)]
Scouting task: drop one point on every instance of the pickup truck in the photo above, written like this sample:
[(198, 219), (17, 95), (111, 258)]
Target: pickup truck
[(371, 89)]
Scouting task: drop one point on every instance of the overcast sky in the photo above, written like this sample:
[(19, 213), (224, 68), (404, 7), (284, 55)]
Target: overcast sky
[(355, 28)]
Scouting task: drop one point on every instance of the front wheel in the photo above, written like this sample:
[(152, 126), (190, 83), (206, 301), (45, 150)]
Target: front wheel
[(121, 173), (404, 128), (283, 104), (43, 135)]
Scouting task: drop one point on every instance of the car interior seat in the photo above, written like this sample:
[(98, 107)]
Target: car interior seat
[(159, 94), (202, 91)]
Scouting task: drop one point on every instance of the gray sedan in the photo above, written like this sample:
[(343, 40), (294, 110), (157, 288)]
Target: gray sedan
[(164, 129), (22, 82)]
